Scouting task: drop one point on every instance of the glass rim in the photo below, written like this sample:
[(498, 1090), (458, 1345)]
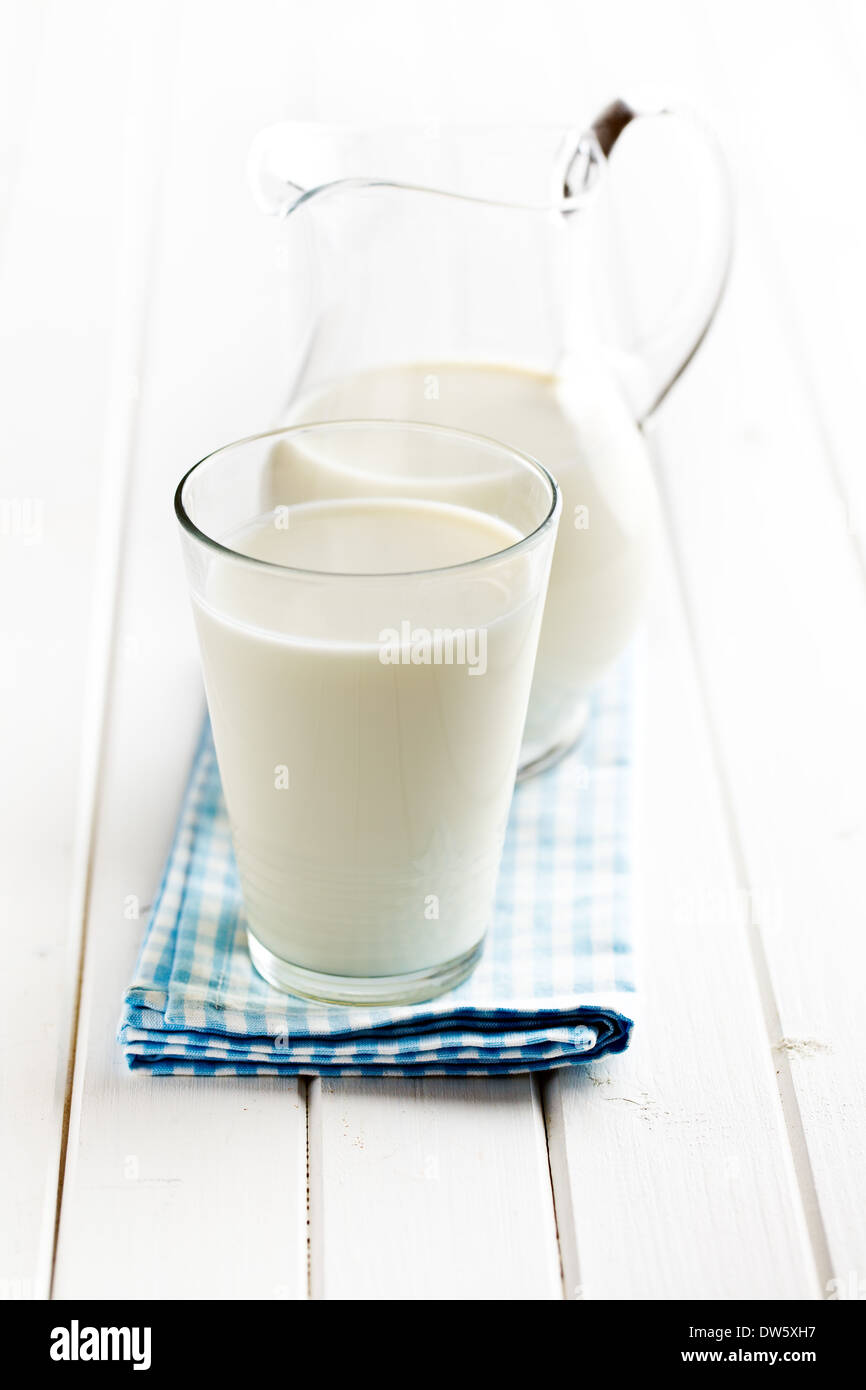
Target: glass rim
[(525, 542)]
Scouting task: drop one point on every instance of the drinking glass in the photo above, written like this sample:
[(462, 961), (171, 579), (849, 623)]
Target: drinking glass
[(367, 662)]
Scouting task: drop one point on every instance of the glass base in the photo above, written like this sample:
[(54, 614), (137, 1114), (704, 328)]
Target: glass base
[(358, 989), (536, 757)]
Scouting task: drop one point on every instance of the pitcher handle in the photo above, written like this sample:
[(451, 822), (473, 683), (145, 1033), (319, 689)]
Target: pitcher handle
[(670, 350)]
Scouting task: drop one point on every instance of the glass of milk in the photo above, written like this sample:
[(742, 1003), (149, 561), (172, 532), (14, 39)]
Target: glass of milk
[(367, 658)]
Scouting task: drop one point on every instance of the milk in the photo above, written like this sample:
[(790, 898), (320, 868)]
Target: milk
[(582, 432), (368, 787)]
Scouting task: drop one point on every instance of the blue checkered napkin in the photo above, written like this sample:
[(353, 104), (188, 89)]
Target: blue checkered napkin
[(555, 984)]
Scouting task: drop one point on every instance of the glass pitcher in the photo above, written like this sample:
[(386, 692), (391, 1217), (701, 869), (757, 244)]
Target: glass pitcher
[(488, 279)]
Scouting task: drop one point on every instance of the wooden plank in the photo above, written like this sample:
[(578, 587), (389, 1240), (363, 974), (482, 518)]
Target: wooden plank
[(57, 305), (770, 528), (430, 1189), (779, 614), (165, 1176), (714, 1203), (671, 1168)]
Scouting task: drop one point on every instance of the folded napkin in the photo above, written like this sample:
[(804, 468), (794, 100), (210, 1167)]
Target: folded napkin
[(554, 986)]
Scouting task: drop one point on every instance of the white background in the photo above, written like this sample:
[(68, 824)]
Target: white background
[(140, 326)]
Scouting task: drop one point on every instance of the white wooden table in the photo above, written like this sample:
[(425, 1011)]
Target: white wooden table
[(140, 325)]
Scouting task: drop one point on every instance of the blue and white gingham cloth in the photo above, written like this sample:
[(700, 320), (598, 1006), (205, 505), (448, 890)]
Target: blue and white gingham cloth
[(555, 984)]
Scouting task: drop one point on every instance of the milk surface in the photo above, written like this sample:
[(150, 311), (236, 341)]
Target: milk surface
[(582, 432), (368, 798)]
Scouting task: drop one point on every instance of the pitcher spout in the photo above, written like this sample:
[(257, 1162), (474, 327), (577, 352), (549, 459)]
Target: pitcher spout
[(539, 170)]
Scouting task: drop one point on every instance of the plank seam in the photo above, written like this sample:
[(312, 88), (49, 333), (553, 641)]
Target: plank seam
[(540, 1089), (304, 1088)]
